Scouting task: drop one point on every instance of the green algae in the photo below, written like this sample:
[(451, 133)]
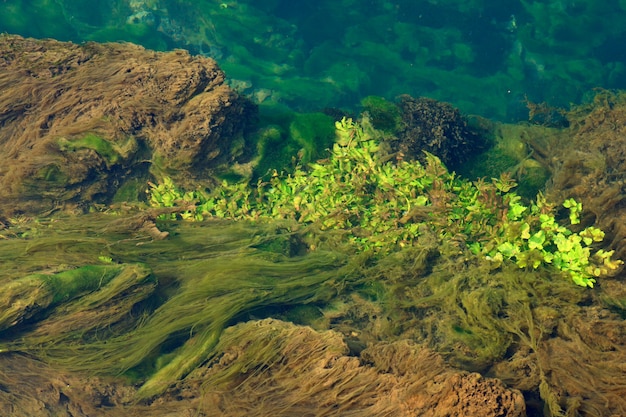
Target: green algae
[(112, 153), (132, 189), (166, 303), (36, 18), (385, 115), (209, 275), (518, 149), (287, 138), (29, 295), (93, 142), (483, 64)]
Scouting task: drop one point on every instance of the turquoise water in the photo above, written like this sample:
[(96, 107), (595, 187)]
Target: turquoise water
[(485, 57)]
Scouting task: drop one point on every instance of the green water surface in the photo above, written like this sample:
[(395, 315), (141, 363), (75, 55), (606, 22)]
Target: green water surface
[(484, 56)]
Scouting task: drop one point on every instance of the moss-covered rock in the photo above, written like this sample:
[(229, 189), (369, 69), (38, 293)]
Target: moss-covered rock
[(101, 114), (512, 150), (384, 115)]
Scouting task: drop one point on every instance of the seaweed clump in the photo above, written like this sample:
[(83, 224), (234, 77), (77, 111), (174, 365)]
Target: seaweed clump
[(589, 164), (436, 127)]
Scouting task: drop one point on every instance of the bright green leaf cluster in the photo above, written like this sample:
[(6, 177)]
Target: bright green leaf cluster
[(166, 194), (538, 239), (384, 204)]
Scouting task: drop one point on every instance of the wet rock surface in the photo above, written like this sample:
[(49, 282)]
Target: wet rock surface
[(438, 128)]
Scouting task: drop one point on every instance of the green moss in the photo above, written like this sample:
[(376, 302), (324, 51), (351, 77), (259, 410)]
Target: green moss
[(239, 71), (75, 282), (287, 139), (52, 173), (532, 178), (510, 153), (130, 191), (313, 133), (112, 152), (32, 294), (274, 153), (316, 93), (384, 114), (305, 315), (348, 76), (103, 147)]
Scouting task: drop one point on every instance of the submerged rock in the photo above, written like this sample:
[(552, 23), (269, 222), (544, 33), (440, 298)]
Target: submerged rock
[(274, 368), (78, 122), (438, 128)]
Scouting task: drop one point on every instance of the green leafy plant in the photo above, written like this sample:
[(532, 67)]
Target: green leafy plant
[(532, 237), (384, 204)]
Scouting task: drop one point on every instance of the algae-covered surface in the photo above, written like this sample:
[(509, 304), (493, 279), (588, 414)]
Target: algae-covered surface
[(163, 252), (360, 284), (151, 312)]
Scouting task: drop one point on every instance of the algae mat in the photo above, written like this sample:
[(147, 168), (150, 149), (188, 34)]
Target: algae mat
[(87, 297), (99, 294)]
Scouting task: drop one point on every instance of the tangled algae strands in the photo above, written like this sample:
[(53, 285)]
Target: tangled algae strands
[(224, 288), (270, 368), (209, 274), (532, 329)]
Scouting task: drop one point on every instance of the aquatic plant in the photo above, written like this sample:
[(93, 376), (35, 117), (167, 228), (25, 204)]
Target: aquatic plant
[(100, 318), (531, 237), (291, 137), (384, 204)]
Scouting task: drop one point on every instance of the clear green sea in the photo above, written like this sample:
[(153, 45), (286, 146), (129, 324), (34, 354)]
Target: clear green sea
[(485, 57), (320, 266)]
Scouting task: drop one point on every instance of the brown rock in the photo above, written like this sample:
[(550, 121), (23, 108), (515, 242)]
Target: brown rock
[(435, 127), (272, 368), (277, 368), (77, 121)]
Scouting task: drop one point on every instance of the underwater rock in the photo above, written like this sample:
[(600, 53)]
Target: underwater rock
[(277, 365), (438, 128), (272, 368), (79, 121)]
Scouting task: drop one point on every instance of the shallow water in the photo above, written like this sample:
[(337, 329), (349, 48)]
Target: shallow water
[(485, 57), (153, 311), (161, 307)]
